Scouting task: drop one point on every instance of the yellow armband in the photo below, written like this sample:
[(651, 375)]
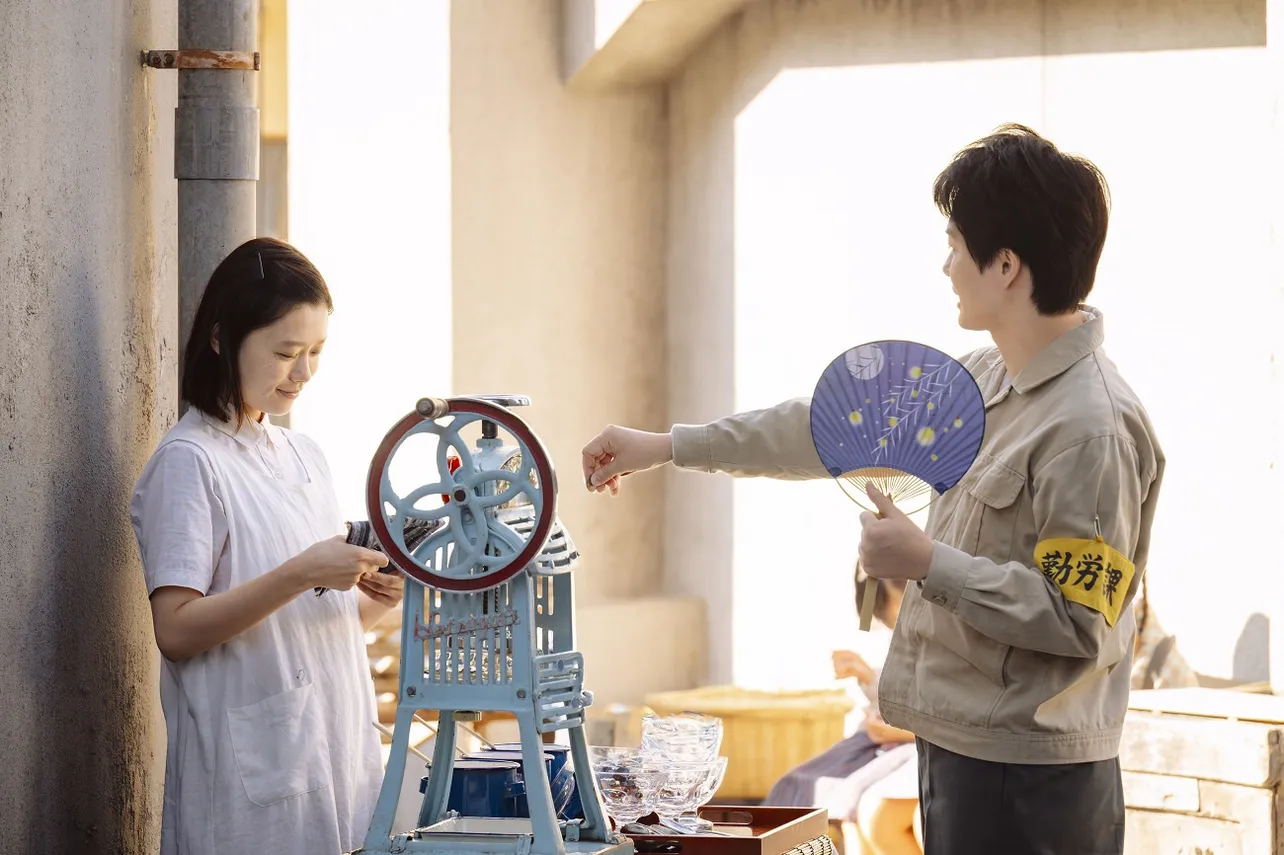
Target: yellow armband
[(1088, 571)]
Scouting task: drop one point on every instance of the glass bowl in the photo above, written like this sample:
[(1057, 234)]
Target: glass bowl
[(629, 781), (683, 738), (703, 793)]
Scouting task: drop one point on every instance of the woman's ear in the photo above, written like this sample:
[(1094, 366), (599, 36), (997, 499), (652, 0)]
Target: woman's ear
[(214, 338)]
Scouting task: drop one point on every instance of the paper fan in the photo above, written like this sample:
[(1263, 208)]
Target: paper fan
[(900, 415)]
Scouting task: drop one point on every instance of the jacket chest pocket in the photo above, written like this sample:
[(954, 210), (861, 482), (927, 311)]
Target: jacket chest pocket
[(986, 516)]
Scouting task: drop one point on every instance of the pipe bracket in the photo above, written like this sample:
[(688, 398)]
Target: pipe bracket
[(206, 60)]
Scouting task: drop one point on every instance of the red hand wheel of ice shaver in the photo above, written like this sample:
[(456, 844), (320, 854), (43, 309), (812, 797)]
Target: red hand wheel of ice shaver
[(473, 550)]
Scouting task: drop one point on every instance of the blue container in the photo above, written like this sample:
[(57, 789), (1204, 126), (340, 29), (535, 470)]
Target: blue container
[(566, 795), (521, 806), (489, 788)]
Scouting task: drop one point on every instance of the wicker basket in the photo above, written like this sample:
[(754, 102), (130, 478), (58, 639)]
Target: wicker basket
[(764, 734)]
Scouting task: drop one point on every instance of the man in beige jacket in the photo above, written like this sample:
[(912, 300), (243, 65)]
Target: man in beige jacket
[(1010, 661)]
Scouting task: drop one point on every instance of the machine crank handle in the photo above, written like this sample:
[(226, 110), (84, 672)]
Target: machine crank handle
[(432, 408)]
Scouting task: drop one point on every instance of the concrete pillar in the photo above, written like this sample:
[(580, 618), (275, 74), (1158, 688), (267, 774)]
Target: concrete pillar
[(87, 367), (559, 266), (1273, 600)]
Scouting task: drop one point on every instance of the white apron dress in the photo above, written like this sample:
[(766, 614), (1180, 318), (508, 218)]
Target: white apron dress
[(271, 746)]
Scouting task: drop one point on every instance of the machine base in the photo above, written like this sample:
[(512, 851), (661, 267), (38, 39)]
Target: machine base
[(487, 836)]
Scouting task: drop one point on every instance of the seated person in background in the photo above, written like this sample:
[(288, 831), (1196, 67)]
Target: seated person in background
[(887, 816), (1156, 663), (839, 779)]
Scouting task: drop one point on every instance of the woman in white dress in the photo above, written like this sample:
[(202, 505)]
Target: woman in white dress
[(266, 687)]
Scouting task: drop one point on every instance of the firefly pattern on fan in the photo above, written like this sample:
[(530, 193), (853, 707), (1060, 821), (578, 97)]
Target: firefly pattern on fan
[(898, 405)]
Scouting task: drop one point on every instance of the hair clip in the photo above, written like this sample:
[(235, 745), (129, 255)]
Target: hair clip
[(262, 275)]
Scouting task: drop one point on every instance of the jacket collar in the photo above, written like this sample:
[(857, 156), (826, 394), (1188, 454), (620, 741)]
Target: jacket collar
[(1055, 359), (1049, 363)]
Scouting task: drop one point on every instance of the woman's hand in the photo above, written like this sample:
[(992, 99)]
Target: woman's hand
[(382, 592), (619, 451), (334, 563), (386, 589), (847, 663)]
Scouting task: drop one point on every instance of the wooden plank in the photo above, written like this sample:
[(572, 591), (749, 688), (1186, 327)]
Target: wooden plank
[(1155, 833), (1232, 801), (1210, 703), (1252, 808), (1233, 752), (1149, 791)]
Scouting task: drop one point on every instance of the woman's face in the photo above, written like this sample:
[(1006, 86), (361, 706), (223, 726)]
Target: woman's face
[(277, 361)]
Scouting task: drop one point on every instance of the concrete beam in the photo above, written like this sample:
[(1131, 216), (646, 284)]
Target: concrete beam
[(622, 44)]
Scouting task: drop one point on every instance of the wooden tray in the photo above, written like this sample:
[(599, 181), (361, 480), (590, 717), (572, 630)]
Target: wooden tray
[(754, 830)]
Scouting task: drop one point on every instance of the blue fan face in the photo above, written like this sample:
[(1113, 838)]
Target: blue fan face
[(898, 405)]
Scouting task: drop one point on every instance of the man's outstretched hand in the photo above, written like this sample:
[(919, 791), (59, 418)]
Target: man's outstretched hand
[(891, 546), (619, 451)]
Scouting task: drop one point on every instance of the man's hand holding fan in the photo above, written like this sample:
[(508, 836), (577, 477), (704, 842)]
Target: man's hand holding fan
[(895, 422)]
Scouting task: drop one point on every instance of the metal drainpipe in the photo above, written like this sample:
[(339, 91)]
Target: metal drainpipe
[(216, 151)]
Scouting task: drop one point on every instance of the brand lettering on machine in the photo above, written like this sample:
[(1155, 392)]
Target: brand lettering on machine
[(456, 626)]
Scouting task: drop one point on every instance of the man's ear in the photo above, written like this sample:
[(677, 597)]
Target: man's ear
[(214, 338), (1008, 265)]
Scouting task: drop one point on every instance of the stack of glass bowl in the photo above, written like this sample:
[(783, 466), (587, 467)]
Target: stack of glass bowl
[(674, 773)]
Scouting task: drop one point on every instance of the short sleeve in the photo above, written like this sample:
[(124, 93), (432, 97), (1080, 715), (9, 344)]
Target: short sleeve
[(178, 519)]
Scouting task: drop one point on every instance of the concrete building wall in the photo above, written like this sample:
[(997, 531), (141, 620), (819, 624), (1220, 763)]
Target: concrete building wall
[(558, 249), (88, 330), (803, 141), (484, 230)]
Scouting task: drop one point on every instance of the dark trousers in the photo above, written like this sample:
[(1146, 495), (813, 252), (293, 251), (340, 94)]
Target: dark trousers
[(975, 806)]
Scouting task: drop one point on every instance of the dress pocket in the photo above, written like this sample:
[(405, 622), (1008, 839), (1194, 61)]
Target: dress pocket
[(280, 746)]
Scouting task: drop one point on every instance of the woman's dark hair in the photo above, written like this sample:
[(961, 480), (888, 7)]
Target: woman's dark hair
[(258, 283), (1015, 190)]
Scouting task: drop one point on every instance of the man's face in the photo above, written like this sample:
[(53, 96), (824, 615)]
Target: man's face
[(981, 292)]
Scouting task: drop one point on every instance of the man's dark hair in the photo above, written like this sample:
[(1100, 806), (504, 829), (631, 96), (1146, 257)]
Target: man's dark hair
[(1015, 190), (258, 283)]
